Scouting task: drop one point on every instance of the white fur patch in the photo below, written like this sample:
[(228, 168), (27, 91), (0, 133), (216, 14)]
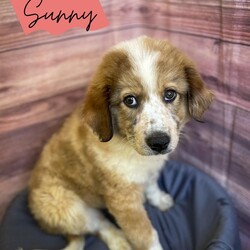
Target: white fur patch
[(76, 244), (94, 219), (143, 61), (156, 243), (132, 166), (154, 115), (158, 198)]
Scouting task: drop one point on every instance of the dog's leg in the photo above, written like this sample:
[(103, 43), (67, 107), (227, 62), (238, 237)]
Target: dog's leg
[(157, 197), (61, 211), (129, 212), (109, 233)]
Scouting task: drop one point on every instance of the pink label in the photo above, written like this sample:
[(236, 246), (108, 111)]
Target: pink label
[(57, 16)]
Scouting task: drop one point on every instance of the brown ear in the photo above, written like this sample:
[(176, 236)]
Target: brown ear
[(199, 96), (96, 111)]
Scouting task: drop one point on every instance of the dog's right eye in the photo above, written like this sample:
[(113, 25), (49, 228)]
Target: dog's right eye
[(130, 101)]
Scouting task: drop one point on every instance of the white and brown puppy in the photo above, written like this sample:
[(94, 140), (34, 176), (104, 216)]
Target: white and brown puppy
[(110, 150)]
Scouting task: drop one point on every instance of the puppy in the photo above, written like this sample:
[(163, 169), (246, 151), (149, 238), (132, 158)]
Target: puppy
[(110, 150)]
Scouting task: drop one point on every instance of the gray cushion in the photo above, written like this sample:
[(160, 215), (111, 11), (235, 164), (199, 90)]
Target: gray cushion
[(202, 218)]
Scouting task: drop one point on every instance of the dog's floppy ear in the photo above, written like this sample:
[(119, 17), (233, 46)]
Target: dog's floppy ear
[(96, 111), (199, 96)]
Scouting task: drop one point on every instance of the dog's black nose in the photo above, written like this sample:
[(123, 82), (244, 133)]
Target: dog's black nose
[(158, 141)]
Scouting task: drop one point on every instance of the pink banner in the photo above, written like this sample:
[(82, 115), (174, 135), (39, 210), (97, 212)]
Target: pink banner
[(57, 16)]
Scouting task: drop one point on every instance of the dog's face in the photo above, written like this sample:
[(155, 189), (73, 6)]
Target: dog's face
[(144, 91)]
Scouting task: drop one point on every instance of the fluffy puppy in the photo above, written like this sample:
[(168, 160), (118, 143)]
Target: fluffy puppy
[(110, 150)]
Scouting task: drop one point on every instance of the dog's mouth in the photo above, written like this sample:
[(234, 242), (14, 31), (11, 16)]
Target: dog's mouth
[(147, 151), (162, 152)]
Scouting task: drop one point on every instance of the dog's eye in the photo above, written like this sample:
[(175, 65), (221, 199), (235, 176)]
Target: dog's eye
[(169, 95), (130, 101)]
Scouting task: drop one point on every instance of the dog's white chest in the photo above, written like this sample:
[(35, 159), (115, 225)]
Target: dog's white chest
[(139, 170), (130, 165)]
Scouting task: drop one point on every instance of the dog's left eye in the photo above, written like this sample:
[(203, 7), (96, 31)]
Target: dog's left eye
[(170, 95), (130, 101)]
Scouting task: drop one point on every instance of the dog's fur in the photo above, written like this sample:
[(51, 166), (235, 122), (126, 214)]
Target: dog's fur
[(101, 156)]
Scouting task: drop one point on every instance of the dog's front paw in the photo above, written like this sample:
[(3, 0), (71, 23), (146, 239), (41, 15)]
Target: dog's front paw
[(165, 201), (161, 200)]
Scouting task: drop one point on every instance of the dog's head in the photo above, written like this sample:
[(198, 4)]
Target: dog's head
[(144, 91)]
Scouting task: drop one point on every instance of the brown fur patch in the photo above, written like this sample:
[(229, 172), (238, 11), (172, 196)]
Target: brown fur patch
[(96, 110), (199, 96)]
